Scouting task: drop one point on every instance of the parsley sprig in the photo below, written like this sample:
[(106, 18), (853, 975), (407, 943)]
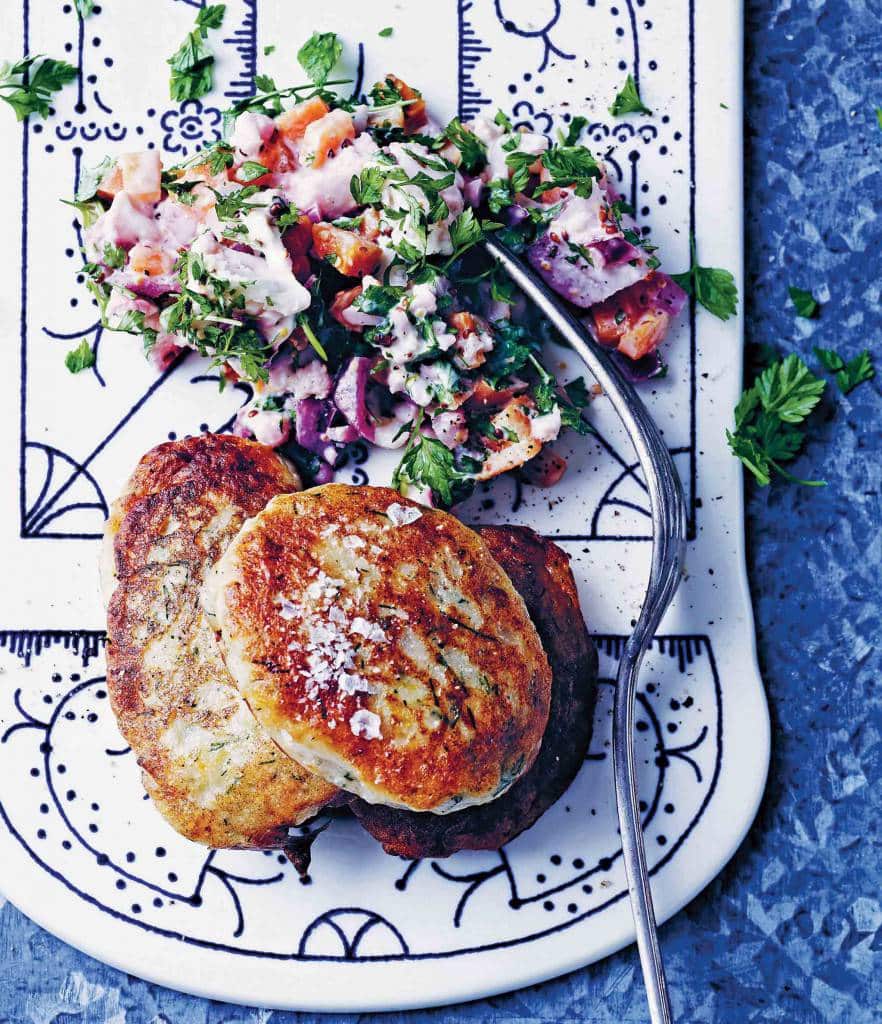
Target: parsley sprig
[(192, 65), (28, 85), (769, 417), (847, 373), (713, 287), (427, 462)]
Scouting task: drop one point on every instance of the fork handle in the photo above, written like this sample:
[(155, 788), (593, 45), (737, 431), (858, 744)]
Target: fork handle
[(668, 531), (633, 849)]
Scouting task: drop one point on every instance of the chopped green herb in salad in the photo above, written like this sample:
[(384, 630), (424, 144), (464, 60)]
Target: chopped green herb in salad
[(326, 256)]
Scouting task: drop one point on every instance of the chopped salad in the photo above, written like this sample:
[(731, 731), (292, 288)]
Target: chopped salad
[(326, 254)]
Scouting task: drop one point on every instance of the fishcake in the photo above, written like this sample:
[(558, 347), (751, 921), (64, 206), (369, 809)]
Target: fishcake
[(212, 770), (541, 574), (381, 645), (214, 459)]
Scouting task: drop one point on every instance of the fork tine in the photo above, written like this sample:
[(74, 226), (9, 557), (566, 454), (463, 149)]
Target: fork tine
[(668, 533)]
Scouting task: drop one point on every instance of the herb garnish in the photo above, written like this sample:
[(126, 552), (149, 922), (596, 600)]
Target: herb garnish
[(768, 417), (472, 151), (45, 77), (193, 64), (427, 462), (804, 302), (847, 374), (318, 55), (577, 126), (713, 287), (628, 100), (80, 358)]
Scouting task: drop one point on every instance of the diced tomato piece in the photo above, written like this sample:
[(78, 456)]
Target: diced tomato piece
[(485, 397), (342, 301), (323, 138), (415, 116), (352, 255), (609, 321), (297, 239), (645, 335), (141, 176), (629, 325), (149, 260), (275, 155), (111, 183), (465, 323), (294, 122)]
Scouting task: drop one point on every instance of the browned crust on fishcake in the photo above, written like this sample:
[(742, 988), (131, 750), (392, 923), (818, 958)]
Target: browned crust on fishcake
[(487, 734), (541, 573), (185, 502)]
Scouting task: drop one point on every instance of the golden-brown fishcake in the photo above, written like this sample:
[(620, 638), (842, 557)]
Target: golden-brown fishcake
[(214, 460), (211, 769), (381, 645), (541, 574)]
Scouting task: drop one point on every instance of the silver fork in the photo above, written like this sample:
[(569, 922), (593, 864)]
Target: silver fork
[(668, 533)]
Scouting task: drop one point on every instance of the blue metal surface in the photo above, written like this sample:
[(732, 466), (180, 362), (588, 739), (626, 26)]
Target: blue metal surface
[(792, 930)]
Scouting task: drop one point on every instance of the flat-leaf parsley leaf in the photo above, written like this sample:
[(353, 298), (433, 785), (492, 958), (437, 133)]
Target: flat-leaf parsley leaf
[(847, 374), (193, 63), (45, 77), (318, 55), (80, 358), (628, 100), (767, 417), (804, 302), (713, 287)]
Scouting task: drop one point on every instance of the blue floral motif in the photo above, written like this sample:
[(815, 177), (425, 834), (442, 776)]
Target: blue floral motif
[(189, 127)]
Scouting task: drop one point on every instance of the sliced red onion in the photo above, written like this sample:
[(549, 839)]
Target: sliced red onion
[(323, 475), (615, 251), (356, 318), (146, 287), (310, 417), (342, 435), (514, 216), (473, 191), (582, 285), (242, 247), (350, 395), (670, 297)]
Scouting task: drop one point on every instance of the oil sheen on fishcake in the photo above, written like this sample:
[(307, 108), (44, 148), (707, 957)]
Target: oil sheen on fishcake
[(381, 645), (209, 766)]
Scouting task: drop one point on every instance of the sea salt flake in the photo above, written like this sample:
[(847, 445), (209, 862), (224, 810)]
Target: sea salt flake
[(351, 683), (352, 542), (369, 630), (402, 515), (366, 724)]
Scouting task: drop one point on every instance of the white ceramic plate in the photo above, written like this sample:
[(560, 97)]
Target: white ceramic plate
[(82, 850)]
